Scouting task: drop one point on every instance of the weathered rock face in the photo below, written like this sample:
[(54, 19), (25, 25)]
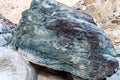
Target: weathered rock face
[(13, 67), (5, 30), (64, 39), (104, 11)]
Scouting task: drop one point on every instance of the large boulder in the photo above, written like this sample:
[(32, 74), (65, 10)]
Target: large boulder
[(58, 37)]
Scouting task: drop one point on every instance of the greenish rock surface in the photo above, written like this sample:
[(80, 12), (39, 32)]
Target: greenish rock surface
[(5, 30), (58, 37)]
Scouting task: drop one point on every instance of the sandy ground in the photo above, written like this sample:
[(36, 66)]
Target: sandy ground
[(12, 9)]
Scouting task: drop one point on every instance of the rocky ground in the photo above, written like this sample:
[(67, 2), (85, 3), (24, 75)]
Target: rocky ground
[(105, 12)]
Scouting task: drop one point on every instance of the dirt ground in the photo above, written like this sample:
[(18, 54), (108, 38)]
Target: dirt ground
[(12, 9)]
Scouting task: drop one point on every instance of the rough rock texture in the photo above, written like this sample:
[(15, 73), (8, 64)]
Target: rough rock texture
[(5, 30), (64, 39), (104, 11), (16, 67), (116, 76), (13, 67)]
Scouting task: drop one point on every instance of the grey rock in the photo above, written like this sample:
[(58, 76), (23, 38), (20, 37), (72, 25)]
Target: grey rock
[(2, 41), (6, 28), (58, 37), (14, 67), (115, 76)]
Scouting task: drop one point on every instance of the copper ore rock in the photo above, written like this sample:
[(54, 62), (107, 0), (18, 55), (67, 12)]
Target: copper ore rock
[(59, 37)]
